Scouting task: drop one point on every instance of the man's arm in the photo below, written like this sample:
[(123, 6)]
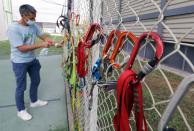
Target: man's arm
[(45, 38), (26, 48)]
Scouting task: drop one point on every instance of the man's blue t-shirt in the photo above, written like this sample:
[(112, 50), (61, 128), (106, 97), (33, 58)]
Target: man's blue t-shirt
[(19, 35)]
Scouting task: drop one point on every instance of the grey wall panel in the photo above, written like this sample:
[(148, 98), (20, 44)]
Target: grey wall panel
[(109, 28), (190, 55), (110, 9), (180, 3), (179, 25), (138, 29), (149, 52), (140, 7), (175, 60), (97, 10), (128, 47), (106, 15)]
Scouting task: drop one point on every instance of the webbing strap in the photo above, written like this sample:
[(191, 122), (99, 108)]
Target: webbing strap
[(81, 60), (86, 44), (129, 95)]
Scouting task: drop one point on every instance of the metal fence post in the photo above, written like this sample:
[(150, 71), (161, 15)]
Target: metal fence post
[(177, 97)]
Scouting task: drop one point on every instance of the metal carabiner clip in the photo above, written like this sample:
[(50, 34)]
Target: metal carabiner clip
[(63, 22), (90, 33), (109, 43), (87, 42), (77, 20), (75, 17), (106, 50), (123, 35), (148, 67)]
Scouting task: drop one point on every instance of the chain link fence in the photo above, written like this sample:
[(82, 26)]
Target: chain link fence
[(173, 21)]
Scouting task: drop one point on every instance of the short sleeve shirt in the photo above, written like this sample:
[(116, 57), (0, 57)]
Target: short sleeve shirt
[(19, 35)]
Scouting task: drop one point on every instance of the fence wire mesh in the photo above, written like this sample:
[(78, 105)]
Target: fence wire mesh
[(136, 16)]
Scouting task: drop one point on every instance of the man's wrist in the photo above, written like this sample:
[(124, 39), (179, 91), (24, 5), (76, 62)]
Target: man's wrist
[(39, 46)]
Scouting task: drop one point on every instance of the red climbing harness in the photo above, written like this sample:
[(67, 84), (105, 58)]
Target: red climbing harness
[(129, 90), (82, 56)]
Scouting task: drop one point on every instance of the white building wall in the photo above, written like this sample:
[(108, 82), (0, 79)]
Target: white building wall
[(47, 10), (3, 22)]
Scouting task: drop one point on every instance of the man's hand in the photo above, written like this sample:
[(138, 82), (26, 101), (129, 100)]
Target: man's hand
[(45, 44), (45, 38), (58, 45), (49, 41)]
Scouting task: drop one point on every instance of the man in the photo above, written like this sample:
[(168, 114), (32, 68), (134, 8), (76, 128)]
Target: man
[(22, 35)]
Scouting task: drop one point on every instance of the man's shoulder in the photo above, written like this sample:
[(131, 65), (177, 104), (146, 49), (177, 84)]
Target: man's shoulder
[(36, 26), (13, 26)]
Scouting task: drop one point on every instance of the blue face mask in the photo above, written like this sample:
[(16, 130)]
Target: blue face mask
[(30, 22)]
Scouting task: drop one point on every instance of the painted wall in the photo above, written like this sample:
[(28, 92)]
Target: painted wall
[(2, 22)]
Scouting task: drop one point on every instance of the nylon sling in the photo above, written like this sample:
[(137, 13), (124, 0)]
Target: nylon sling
[(129, 95)]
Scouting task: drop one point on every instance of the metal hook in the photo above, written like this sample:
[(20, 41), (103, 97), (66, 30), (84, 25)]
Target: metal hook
[(152, 63)]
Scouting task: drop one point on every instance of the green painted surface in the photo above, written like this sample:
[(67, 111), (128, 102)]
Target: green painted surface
[(49, 118)]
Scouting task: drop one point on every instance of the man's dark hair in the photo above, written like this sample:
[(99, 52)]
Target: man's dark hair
[(27, 10)]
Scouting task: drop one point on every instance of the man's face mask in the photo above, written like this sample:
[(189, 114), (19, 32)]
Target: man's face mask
[(30, 22)]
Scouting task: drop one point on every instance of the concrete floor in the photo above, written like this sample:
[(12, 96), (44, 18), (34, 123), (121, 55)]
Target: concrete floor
[(52, 117)]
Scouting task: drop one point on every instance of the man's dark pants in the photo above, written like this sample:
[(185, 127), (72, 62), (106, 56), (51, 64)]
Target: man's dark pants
[(21, 70)]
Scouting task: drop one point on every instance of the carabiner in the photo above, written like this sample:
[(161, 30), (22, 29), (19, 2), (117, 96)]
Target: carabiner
[(130, 36), (154, 61), (88, 37), (75, 17), (110, 42), (82, 67), (72, 16), (64, 22), (77, 20)]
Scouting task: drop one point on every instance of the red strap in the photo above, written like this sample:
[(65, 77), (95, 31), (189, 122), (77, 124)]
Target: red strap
[(86, 44), (81, 60), (129, 95)]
